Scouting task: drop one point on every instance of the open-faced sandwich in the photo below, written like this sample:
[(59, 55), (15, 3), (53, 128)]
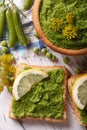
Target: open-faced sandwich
[(39, 93), (77, 86)]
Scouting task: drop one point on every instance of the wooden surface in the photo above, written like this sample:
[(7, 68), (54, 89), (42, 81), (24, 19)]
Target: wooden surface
[(26, 55)]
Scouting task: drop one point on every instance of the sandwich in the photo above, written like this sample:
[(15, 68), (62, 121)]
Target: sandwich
[(45, 98), (77, 86)]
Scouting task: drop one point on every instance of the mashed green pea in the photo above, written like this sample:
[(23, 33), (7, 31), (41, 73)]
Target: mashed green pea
[(44, 99), (64, 22)]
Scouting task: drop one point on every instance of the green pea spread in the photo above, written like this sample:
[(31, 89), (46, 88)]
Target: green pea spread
[(83, 114), (64, 22), (45, 99)]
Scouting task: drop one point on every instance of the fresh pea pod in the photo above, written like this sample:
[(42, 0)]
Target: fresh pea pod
[(18, 27), (1, 3), (27, 4), (2, 20), (12, 33)]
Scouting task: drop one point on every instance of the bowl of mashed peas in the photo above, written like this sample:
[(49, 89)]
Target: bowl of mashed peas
[(62, 25)]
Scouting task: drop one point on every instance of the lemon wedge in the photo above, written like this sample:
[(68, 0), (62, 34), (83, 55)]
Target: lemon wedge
[(79, 92), (25, 80)]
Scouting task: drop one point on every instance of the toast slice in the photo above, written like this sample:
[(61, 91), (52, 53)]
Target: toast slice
[(77, 111), (20, 68)]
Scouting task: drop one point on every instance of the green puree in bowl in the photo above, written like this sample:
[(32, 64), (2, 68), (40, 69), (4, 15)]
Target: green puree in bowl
[(44, 99), (64, 22)]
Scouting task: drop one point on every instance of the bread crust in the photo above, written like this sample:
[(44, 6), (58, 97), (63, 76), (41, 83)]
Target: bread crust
[(20, 67), (76, 111)]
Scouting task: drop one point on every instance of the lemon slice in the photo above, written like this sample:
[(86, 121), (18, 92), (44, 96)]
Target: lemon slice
[(25, 80), (79, 92)]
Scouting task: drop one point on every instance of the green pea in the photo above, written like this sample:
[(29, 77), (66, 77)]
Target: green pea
[(49, 55), (77, 70), (11, 78), (9, 89), (12, 33), (4, 43), (66, 60), (44, 50), (36, 50), (5, 50), (27, 4), (54, 58)]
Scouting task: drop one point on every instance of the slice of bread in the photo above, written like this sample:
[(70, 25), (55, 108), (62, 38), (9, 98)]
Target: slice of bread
[(71, 80), (21, 67)]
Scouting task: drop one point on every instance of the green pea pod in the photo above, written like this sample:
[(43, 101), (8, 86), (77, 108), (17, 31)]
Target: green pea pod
[(18, 27), (12, 33), (27, 4), (1, 3), (2, 21)]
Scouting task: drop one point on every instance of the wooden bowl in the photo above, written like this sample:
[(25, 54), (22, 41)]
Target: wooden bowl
[(37, 25)]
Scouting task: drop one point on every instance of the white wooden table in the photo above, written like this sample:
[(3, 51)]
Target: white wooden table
[(27, 56)]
